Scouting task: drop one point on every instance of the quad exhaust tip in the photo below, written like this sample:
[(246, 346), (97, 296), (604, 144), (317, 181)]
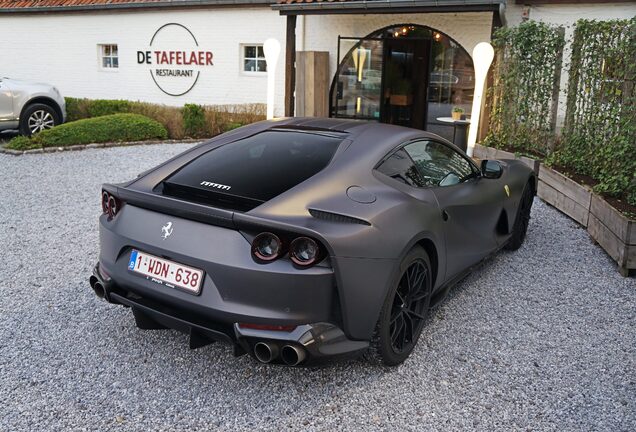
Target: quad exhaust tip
[(97, 286), (292, 355), (99, 290), (265, 352)]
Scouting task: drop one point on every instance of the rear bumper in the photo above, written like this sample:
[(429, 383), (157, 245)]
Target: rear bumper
[(235, 288), (346, 292), (318, 341)]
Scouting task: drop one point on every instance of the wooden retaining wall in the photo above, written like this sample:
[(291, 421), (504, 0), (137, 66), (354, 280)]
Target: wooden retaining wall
[(608, 227)]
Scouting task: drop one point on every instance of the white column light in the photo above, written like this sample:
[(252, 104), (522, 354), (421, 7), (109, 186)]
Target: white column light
[(482, 58), (271, 48)]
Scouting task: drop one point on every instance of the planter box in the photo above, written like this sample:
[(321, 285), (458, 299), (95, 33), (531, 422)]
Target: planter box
[(565, 194), (483, 152), (608, 227), (614, 232), (532, 163)]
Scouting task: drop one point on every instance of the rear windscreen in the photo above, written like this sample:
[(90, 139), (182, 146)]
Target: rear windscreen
[(257, 168)]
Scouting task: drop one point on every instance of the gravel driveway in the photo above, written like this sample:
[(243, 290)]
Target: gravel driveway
[(540, 339)]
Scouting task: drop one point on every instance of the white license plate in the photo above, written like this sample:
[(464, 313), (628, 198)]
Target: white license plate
[(164, 272)]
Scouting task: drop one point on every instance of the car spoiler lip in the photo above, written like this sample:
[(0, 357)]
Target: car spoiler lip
[(173, 206), (207, 214)]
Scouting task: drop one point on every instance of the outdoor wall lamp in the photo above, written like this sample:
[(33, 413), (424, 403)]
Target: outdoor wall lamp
[(271, 48), (483, 55)]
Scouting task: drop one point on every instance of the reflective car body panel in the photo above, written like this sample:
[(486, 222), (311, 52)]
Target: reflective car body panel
[(365, 220)]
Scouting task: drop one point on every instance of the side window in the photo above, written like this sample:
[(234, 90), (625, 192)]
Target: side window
[(400, 167), (438, 164), (109, 56), (254, 59)]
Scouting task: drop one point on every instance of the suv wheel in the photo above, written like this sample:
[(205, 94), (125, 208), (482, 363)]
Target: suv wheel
[(38, 117)]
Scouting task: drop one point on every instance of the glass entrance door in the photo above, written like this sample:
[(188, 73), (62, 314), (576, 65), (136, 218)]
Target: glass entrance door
[(383, 78), (404, 74), (358, 87), (406, 71)]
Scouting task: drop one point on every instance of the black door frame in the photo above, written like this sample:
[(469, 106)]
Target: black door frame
[(333, 108)]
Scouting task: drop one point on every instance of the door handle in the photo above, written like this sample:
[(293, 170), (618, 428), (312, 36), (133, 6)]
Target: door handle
[(445, 215)]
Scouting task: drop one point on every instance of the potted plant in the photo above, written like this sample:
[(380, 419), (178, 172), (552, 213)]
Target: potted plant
[(457, 113)]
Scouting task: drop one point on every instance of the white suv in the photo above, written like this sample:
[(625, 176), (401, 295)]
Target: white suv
[(29, 106)]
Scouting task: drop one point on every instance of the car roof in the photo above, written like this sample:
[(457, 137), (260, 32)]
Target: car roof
[(369, 141), (320, 123), (350, 126)]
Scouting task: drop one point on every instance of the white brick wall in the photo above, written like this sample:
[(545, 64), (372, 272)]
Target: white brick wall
[(568, 14), (321, 31), (61, 49)]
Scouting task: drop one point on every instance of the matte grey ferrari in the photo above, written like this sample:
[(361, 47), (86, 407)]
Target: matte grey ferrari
[(304, 240)]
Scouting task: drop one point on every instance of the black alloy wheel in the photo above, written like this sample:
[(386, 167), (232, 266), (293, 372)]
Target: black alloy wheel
[(405, 309), (520, 227)]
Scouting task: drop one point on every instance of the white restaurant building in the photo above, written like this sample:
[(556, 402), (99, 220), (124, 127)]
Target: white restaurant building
[(399, 61)]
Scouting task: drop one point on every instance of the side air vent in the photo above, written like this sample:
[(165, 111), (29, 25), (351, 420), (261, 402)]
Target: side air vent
[(335, 217)]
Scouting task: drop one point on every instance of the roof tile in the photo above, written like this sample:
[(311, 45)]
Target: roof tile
[(17, 4), (34, 4)]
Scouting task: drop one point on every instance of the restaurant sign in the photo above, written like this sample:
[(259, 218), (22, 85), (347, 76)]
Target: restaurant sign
[(174, 59)]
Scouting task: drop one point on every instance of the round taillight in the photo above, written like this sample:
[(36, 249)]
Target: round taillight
[(266, 247), (304, 251), (105, 198), (112, 206)]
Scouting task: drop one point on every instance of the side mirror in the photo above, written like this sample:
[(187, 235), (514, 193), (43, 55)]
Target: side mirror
[(491, 169)]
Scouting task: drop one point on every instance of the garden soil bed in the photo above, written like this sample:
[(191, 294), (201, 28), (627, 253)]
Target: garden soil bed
[(619, 203)]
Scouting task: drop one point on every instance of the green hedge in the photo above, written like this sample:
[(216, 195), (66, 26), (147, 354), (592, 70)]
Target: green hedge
[(76, 110), (108, 128), (599, 136), (194, 122), (525, 72), (598, 139), (191, 121)]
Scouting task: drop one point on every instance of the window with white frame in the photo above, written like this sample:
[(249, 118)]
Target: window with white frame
[(254, 59), (109, 56)]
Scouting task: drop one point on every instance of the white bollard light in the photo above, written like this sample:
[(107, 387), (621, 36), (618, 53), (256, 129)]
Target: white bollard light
[(483, 55), (271, 48)]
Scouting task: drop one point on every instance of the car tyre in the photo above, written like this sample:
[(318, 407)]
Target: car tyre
[(38, 117), (404, 311), (522, 220)]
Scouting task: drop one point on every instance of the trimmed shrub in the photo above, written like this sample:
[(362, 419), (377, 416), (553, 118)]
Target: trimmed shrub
[(194, 121), (168, 116), (223, 118), (107, 107), (77, 109), (109, 128), (21, 143), (216, 118), (232, 126)]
